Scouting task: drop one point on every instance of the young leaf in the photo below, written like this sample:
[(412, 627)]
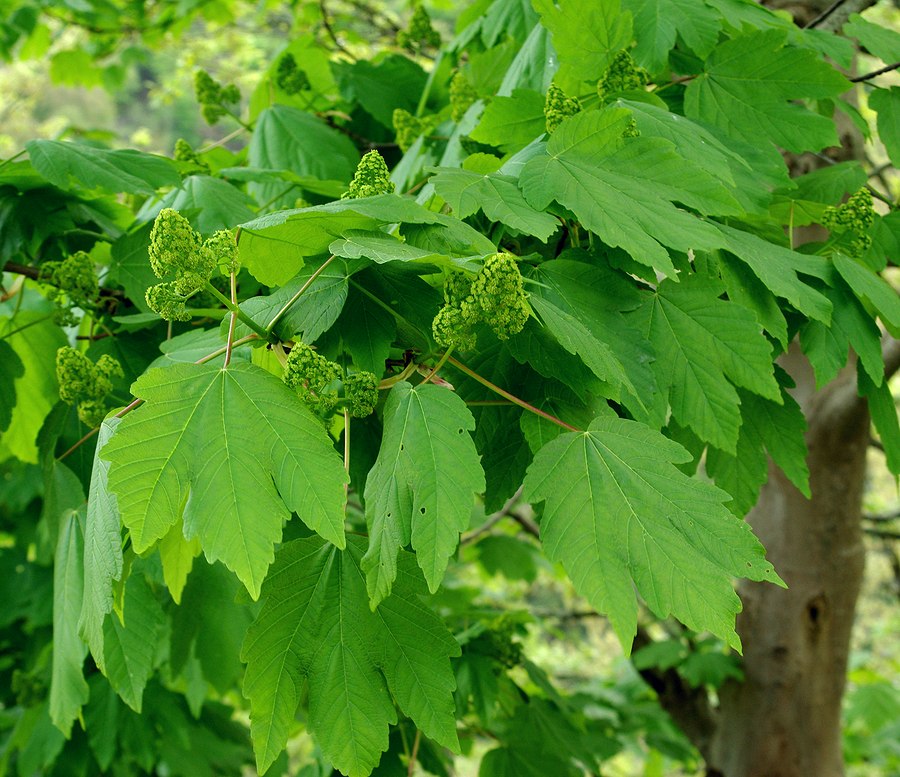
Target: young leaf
[(232, 451), (511, 123), (422, 486), (316, 629), (620, 513)]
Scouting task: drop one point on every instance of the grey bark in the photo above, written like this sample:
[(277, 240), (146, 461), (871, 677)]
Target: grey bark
[(784, 719)]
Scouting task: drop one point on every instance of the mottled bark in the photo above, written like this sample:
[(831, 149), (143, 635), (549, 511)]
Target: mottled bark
[(784, 719)]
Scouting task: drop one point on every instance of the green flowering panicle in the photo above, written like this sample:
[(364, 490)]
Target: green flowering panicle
[(622, 75), (174, 245), (289, 76), (409, 127), (84, 384), (72, 283), (165, 300), (419, 33), (185, 153), (361, 393), (222, 252), (631, 130), (500, 293), (462, 95), (557, 107), (852, 221), (371, 177), (213, 97), (313, 377), (496, 297), (176, 249)]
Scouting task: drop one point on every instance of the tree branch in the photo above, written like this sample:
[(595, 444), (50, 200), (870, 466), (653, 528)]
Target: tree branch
[(689, 707), (833, 17)]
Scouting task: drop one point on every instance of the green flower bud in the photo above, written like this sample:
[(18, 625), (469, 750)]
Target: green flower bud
[(361, 392), (313, 377), (558, 107), (372, 177), (165, 300)]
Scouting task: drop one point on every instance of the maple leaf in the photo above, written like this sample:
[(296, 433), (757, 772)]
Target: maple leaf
[(232, 451), (316, 627)]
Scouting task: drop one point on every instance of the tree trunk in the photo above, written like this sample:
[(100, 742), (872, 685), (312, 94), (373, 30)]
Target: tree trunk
[(783, 720)]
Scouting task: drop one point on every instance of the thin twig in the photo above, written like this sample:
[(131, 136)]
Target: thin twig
[(880, 71), (411, 769), (326, 23), (233, 322)]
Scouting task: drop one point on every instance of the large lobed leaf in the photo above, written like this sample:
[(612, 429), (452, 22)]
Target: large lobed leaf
[(232, 451), (619, 514), (623, 190), (316, 629), (422, 486)]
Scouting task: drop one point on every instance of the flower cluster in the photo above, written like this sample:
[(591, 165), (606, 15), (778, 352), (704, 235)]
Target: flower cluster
[(185, 153), (320, 383), (853, 219), (85, 384), (409, 127), (557, 107), (372, 177), (289, 76), (622, 75), (462, 95), (495, 296), (419, 33), (72, 284), (213, 97), (177, 250)]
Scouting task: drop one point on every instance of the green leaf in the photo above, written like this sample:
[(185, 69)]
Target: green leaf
[(129, 648), (744, 288), (130, 265), (380, 87), (872, 289), (704, 344), (377, 246), (210, 626), (658, 24), (11, 368), (286, 138), (748, 89), (68, 689), (883, 410), (35, 343), (71, 165), (422, 486), (881, 41), (887, 103), (766, 426), (511, 123), (367, 331), (231, 451), (313, 313), (508, 556), (102, 549), (316, 630), (497, 195), (210, 203), (273, 247), (177, 556), (777, 268), (585, 35), (619, 513), (534, 65), (851, 326), (623, 190)]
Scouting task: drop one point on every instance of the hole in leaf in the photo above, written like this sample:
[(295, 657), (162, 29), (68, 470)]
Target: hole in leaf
[(422, 510)]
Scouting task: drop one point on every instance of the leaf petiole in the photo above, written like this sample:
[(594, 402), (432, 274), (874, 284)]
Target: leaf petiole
[(506, 395), (287, 305)]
